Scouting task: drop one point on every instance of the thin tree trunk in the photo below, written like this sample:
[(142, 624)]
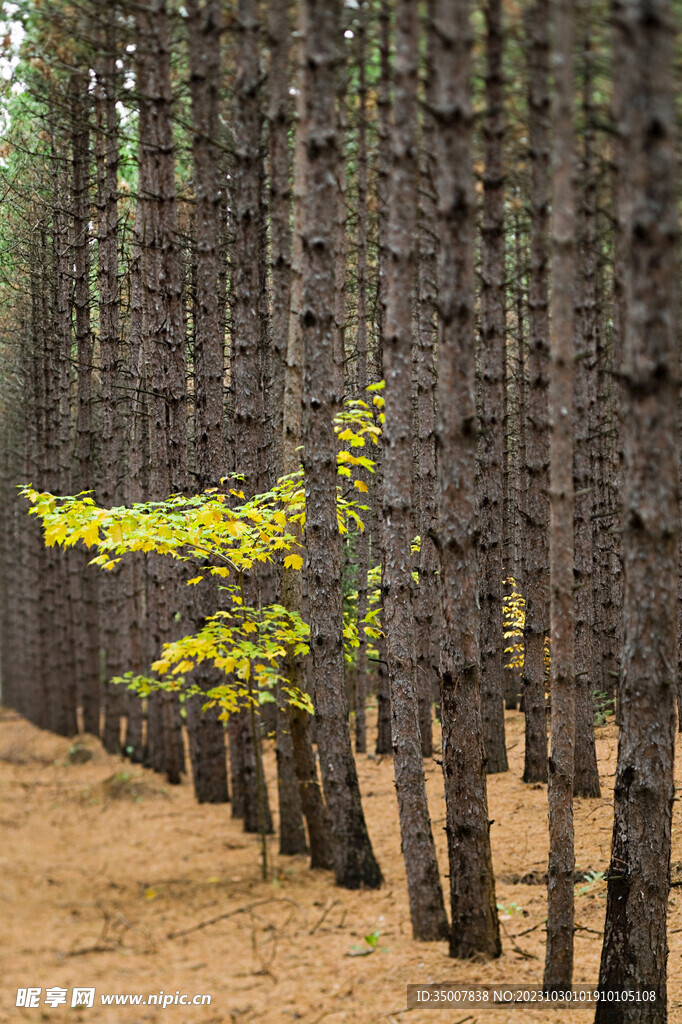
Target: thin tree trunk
[(166, 339), (299, 723), (635, 949), (560, 899), (491, 480), (537, 452), (427, 910), (206, 731), (475, 928), (247, 370), (587, 668), (89, 582), (428, 603), (113, 615), (354, 861), (292, 837), (362, 540)]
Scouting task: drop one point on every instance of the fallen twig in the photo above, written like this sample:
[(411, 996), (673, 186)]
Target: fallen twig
[(324, 914), (90, 949), (517, 949), (517, 935), (231, 913)]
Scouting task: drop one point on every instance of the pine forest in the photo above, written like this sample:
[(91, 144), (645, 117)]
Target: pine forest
[(340, 554)]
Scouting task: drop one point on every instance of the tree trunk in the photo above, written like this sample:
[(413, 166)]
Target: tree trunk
[(491, 480), (113, 615), (475, 928), (247, 384), (165, 334), (428, 603), (206, 731), (354, 861), (560, 900), (292, 837), (587, 668), (363, 538), (423, 880), (635, 946), (537, 452)]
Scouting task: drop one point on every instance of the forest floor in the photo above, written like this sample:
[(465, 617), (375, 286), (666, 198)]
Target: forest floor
[(103, 867)]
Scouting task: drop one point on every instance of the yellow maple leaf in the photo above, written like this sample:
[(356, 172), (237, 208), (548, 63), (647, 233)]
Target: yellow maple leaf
[(90, 535), (293, 562), (55, 534)]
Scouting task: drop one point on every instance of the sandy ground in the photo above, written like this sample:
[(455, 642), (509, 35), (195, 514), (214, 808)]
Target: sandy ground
[(110, 879)]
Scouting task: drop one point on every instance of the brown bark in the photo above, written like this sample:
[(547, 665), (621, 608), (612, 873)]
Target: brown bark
[(165, 337), (491, 479), (428, 604), (537, 452), (279, 123), (363, 538), (354, 861), (588, 682), (475, 928), (383, 130), (635, 947), (384, 743), (299, 723), (206, 732), (114, 617), (427, 910), (87, 582), (560, 900), (247, 370), (291, 829)]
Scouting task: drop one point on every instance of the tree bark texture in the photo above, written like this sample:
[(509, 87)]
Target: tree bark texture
[(635, 949), (475, 928), (354, 861), (491, 480), (427, 910), (537, 451)]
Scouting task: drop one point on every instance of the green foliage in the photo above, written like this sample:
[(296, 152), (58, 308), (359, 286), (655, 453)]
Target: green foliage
[(591, 879), (603, 706), (226, 535), (510, 909), (371, 945)]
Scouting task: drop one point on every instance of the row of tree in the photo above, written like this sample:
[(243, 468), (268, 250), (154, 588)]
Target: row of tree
[(220, 224)]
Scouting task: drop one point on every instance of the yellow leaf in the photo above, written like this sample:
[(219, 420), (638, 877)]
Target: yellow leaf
[(208, 516), (115, 533), (194, 580), (55, 534), (90, 535), (361, 486), (280, 519), (293, 562), (226, 664)]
